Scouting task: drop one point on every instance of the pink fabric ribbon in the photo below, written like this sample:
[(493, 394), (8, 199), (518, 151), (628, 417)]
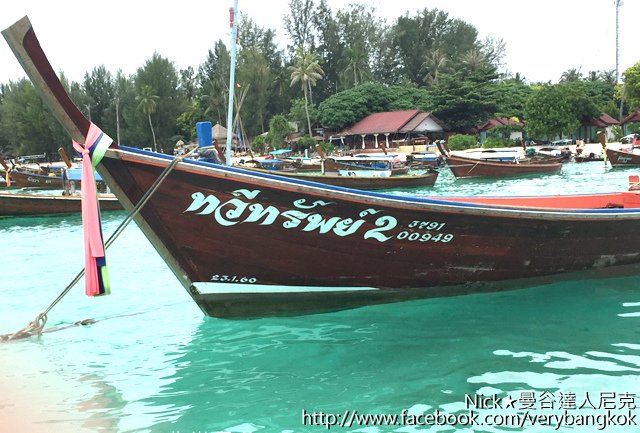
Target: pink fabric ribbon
[(96, 280)]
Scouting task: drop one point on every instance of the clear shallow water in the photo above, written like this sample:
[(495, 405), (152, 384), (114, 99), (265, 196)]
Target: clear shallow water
[(153, 363)]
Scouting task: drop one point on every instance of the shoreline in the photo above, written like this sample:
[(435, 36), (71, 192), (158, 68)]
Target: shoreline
[(30, 405)]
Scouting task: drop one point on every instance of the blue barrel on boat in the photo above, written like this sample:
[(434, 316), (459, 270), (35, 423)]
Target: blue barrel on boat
[(206, 152), (204, 133)]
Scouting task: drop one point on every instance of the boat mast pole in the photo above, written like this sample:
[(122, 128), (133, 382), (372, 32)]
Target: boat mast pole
[(232, 75)]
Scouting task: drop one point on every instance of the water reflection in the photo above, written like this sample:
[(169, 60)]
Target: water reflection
[(420, 355)]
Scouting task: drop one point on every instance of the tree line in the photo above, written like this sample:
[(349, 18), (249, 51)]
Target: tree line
[(337, 67)]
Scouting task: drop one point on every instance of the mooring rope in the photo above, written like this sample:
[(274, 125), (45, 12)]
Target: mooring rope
[(37, 325)]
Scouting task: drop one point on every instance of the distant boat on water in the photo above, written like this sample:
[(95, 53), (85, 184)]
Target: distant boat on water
[(427, 178), (43, 204), (618, 158), (23, 178)]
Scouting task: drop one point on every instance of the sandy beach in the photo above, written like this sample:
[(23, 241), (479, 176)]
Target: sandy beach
[(28, 405)]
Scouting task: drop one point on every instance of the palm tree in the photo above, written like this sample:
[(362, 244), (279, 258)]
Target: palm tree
[(571, 75), (435, 64), (357, 70), (474, 59), (147, 102), (307, 72), (214, 99), (609, 77)]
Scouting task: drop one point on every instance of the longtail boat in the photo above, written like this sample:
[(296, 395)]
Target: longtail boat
[(31, 179), (371, 165), (471, 167), (43, 204), (427, 178), (247, 244), (622, 157)]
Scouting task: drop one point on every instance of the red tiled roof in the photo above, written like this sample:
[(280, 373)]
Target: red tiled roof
[(498, 121), (379, 123), (609, 120), (601, 122), (633, 117)]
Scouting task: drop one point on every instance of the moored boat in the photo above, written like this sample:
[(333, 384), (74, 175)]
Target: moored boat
[(427, 178), (31, 179), (363, 164), (494, 155), (248, 244), (470, 167), (623, 157), (45, 204)]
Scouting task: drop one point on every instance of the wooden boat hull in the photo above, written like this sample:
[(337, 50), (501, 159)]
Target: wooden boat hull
[(367, 183), (39, 204), (248, 244), (469, 167), (619, 158), (333, 165), (25, 179), (588, 158)]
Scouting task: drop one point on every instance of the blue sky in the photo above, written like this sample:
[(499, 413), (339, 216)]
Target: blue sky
[(543, 37)]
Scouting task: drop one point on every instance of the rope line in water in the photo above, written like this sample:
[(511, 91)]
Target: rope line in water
[(37, 325)]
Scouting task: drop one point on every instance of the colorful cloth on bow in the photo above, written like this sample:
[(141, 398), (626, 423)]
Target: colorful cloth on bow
[(95, 276)]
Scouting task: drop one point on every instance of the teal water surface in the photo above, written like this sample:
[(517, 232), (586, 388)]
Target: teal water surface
[(153, 363)]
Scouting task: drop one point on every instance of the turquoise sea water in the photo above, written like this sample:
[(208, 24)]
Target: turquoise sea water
[(153, 363)]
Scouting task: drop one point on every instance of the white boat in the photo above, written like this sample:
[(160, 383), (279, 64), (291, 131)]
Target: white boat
[(506, 154)]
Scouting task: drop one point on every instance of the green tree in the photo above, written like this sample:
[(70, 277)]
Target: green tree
[(462, 142), (349, 106), (557, 110), (360, 32), (473, 59), (254, 73), (148, 103), (27, 124), (260, 68), (187, 84), (465, 99), (307, 72), (187, 120), (416, 37), (435, 64), (161, 75), (357, 69), (213, 78), (631, 78), (4, 141), (99, 88), (298, 112), (511, 97), (571, 75), (279, 128), (124, 117), (298, 25), (329, 48), (213, 100)]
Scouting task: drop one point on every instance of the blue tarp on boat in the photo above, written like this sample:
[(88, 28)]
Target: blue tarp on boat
[(75, 175)]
